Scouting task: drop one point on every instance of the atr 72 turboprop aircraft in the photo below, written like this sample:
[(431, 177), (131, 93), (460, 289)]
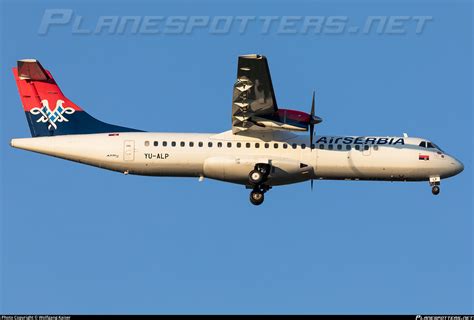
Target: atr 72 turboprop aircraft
[(261, 150)]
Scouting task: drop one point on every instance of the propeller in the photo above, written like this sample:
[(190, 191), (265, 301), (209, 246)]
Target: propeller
[(313, 119), (311, 125)]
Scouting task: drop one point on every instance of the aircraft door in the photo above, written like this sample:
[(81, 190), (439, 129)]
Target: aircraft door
[(129, 150)]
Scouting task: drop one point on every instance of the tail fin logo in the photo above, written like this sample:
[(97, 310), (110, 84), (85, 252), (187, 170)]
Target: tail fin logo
[(52, 116)]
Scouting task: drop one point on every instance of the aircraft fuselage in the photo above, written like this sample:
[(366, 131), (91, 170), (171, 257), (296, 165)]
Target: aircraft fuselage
[(230, 157)]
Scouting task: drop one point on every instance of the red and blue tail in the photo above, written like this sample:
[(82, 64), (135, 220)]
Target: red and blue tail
[(48, 111)]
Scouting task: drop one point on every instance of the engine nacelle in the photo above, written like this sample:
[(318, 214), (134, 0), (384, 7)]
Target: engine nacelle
[(285, 119), (235, 169)]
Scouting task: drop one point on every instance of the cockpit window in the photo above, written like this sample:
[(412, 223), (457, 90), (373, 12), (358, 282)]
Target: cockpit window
[(436, 146), (429, 145)]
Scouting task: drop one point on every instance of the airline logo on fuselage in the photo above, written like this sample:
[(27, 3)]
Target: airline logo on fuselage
[(360, 140), (52, 116)]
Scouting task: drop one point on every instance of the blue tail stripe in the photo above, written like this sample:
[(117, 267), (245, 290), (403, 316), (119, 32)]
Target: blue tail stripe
[(79, 122)]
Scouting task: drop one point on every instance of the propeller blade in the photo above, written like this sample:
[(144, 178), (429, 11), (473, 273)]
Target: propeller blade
[(312, 184), (311, 124)]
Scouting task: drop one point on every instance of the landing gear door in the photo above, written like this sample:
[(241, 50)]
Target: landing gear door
[(129, 150)]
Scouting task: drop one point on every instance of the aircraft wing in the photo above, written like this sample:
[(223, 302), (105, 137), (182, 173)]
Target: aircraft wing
[(253, 95)]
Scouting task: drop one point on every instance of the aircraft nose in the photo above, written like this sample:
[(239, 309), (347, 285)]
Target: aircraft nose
[(458, 167)]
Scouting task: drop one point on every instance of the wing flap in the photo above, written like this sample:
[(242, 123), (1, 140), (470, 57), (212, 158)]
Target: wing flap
[(253, 93)]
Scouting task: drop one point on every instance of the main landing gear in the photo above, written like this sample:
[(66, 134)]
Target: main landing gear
[(257, 177), (434, 183), (257, 197)]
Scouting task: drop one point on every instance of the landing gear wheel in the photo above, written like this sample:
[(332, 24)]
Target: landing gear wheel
[(435, 190), (256, 197), (255, 177)]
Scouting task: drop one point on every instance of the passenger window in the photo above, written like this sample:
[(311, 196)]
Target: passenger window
[(357, 147), (303, 146), (164, 143), (173, 143), (330, 146), (200, 144), (191, 144), (209, 144), (247, 145), (267, 145), (239, 144), (294, 145), (147, 143), (275, 146), (285, 146), (257, 145), (376, 147), (321, 146), (155, 143), (339, 147), (366, 147), (219, 144), (229, 144), (348, 147), (182, 144)]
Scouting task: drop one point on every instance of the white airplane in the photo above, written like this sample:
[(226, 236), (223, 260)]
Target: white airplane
[(261, 150)]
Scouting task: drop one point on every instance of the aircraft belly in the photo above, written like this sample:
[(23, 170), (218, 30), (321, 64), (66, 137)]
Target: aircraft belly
[(236, 168), (378, 165)]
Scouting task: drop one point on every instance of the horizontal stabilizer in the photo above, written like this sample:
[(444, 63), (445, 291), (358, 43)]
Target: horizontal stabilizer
[(31, 69)]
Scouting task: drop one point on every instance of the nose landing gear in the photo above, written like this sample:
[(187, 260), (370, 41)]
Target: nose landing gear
[(434, 183), (257, 177), (435, 190)]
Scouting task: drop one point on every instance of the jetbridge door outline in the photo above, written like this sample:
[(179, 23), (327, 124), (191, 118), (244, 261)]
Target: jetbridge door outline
[(129, 150)]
